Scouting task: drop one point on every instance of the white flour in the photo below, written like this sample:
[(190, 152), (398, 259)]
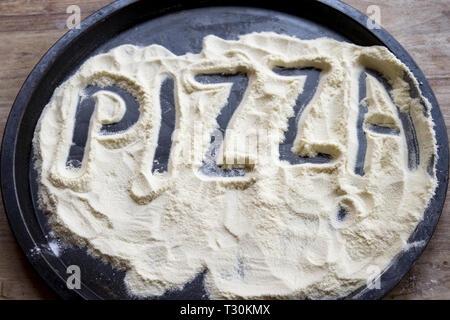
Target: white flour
[(273, 232)]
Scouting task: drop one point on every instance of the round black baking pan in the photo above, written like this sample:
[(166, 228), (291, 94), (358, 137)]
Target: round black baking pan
[(180, 27)]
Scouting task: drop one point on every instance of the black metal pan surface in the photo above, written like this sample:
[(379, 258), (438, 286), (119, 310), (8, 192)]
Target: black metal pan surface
[(180, 27)]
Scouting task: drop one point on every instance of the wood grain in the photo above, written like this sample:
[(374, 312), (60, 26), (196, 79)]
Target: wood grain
[(28, 28)]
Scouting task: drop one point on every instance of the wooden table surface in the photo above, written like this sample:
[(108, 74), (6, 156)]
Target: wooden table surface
[(29, 27)]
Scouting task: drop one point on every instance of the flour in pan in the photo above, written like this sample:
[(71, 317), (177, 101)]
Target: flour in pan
[(261, 227)]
